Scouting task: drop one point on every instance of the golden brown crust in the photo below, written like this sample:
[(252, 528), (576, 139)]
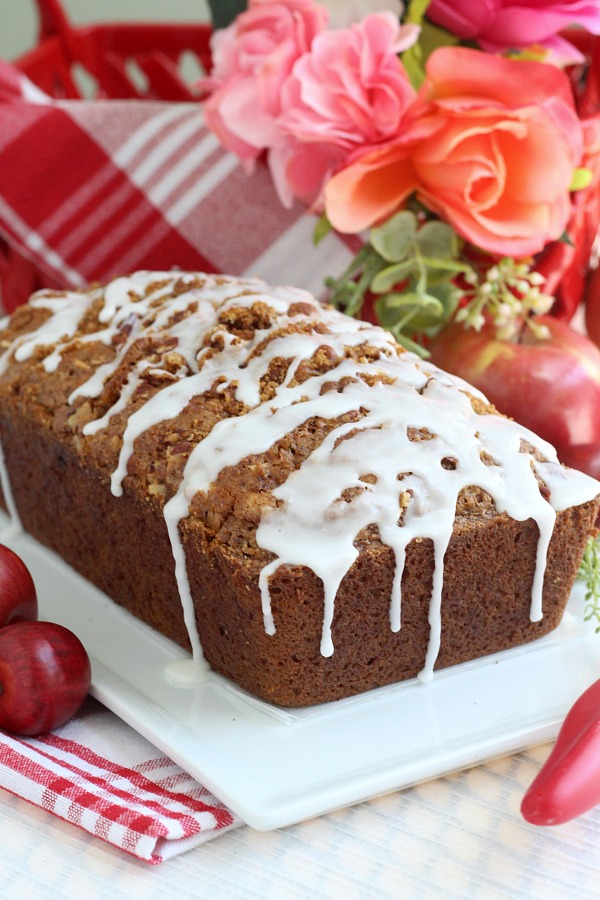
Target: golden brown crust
[(61, 482)]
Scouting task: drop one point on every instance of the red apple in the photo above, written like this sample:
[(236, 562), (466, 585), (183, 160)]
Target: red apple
[(592, 306), (45, 676), (18, 599), (551, 386)]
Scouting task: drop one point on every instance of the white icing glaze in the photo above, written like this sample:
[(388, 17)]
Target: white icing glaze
[(186, 672), (66, 310), (127, 392), (406, 487)]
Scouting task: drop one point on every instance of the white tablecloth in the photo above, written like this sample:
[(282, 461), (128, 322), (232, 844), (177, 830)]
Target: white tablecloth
[(461, 836)]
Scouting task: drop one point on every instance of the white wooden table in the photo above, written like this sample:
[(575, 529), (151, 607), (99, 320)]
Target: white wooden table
[(458, 836)]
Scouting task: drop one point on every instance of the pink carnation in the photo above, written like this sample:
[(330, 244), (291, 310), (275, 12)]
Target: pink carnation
[(499, 25), (251, 60), (349, 91)]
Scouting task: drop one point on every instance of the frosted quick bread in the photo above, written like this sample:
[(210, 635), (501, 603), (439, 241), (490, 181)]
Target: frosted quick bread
[(278, 488)]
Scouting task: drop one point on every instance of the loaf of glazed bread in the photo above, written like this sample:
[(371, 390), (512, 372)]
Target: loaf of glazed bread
[(280, 489)]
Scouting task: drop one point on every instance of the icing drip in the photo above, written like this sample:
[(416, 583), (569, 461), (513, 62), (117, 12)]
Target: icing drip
[(404, 437), (66, 314)]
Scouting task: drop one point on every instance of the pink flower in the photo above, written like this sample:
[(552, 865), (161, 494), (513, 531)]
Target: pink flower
[(251, 60), (499, 25), (350, 90), (491, 145)]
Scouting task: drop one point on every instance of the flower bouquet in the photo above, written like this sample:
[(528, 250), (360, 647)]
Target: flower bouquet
[(456, 146)]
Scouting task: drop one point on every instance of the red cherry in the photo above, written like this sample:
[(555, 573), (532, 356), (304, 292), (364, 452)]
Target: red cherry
[(45, 675), (18, 599)]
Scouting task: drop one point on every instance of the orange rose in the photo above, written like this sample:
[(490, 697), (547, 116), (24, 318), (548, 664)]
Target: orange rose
[(490, 145)]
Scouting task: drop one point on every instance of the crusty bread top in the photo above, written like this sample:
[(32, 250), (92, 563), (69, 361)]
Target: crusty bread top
[(287, 429)]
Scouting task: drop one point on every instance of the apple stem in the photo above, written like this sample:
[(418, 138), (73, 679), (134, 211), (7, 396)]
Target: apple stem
[(522, 329)]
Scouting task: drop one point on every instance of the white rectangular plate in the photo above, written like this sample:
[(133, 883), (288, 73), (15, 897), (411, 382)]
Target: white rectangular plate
[(276, 767)]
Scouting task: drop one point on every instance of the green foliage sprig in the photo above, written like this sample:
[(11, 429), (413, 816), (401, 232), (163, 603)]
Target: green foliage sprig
[(589, 572), (419, 274), (408, 267)]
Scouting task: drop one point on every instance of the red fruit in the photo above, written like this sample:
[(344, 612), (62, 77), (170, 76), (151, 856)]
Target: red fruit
[(592, 306), (18, 599), (550, 386), (45, 676)]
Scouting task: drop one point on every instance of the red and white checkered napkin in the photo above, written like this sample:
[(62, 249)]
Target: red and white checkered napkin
[(99, 774), (94, 189)]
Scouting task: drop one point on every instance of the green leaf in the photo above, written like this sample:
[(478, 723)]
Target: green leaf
[(582, 178), (437, 239), (412, 60), (415, 11), (445, 265), (390, 313), (432, 37), (448, 296), (590, 573), (412, 313), (348, 291), (321, 229), (408, 313), (361, 259), (393, 240), (424, 321), (390, 276), (418, 301)]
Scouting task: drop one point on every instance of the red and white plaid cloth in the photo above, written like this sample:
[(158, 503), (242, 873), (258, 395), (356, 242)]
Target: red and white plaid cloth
[(94, 189), (101, 775)]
